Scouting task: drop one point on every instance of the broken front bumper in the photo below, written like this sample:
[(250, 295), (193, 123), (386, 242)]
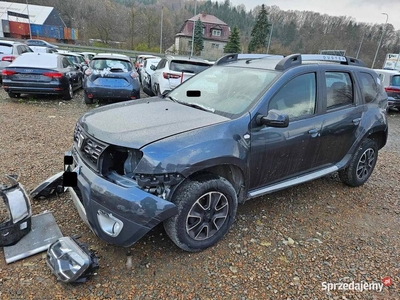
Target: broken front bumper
[(119, 215)]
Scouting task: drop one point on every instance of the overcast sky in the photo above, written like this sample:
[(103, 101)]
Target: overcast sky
[(368, 11)]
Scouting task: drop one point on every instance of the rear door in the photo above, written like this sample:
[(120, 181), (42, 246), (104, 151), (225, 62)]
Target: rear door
[(342, 117)]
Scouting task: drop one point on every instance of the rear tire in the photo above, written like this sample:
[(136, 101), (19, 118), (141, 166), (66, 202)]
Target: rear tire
[(69, 94), (361, 164), (87, 99), (13, 95), (206, 209)]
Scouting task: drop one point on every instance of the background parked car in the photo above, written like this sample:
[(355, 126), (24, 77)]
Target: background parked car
[(140, 59), (88, 56), (173, 70), (43, 49), (111, 76), (77, 60), (145, 74), (35, 42), (41, 73), (9, 50), (391, 82)]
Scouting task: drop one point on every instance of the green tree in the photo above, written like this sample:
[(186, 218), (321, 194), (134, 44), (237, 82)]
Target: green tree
[(198, 38), (260, 32), (233, 45)]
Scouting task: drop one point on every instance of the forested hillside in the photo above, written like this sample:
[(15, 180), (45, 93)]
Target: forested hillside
[(137, 23)]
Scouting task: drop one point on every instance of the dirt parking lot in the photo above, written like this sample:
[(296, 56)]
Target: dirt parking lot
[(318, 240)]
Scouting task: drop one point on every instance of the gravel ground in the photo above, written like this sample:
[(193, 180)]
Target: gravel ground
[(282, 246)]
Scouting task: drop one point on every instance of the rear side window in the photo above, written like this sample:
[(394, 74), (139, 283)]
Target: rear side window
[(161, 64), (5, 49), (339, 89), (369, 87), (187, 66), (396, 80)]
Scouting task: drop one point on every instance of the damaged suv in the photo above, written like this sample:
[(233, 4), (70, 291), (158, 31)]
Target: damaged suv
[(243, 128)]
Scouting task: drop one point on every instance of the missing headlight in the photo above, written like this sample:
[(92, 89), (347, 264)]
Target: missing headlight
[(121, 160)]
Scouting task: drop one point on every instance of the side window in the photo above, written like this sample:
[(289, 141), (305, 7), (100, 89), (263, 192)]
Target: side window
[(395, 80), (297, 97), (161, 64), (66, 62), (339, 89), (369, 87)]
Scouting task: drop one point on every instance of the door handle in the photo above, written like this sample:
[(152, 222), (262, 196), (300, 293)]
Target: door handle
[(357, 121), (314, 132)]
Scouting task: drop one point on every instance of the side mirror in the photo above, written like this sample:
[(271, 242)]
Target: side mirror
[(274, 118), (153, 67)]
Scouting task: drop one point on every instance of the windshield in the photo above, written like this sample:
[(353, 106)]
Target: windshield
[(229, 91), (188, 66)]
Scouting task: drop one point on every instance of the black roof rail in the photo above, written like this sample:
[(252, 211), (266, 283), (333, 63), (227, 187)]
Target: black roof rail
[(297, 59), (227, 58), (247, 56)]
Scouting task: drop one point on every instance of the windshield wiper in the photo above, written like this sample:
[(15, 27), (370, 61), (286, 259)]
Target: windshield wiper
[(194, 105), (199, 106)]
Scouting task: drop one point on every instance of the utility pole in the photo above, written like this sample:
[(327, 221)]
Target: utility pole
[(359, 48), (162, 16), (29, 19), (194, 26), (379, 45), (270, 35)]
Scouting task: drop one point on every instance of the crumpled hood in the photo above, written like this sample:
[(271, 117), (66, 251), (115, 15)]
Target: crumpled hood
[(137, 123)]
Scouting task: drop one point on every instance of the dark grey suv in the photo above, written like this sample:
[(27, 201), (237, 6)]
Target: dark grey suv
[(240, 129)]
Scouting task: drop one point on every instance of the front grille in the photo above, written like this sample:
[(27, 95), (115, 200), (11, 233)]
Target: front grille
[(89, 148)]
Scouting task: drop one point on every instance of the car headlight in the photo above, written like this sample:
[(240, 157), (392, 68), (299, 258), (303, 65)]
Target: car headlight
[(15, 212), (71, 261)]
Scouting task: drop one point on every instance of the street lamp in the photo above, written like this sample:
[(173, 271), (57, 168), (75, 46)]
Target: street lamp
[(379, 45)]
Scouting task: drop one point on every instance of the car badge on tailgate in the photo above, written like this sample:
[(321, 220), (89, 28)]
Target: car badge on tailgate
[(81, 139)]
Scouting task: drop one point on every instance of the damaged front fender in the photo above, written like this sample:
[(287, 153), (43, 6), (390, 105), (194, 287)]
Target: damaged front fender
[(15, 212)]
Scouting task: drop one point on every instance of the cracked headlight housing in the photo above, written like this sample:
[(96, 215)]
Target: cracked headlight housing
[(71, 261)]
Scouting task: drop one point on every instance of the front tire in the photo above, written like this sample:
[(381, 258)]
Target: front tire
[(206, 209), (361, 165)]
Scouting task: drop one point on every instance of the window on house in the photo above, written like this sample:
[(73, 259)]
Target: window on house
[(214, 46), (216, 32)]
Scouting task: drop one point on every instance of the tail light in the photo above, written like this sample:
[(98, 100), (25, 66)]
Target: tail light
[(88, 72), (169, 75), (8, 72), (8, 58), (53, 74), (134, 75), (392, 89)]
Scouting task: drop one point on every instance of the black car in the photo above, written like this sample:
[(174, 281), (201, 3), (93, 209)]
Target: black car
[(41, 73), (240, 129)]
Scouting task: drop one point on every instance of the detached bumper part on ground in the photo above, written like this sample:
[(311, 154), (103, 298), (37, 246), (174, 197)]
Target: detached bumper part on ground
[(17, 207), (118, 215), (71, 261)]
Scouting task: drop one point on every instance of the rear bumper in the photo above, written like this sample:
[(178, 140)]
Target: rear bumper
[(111, 92), (34, 88), (393, 102), (130, 211)]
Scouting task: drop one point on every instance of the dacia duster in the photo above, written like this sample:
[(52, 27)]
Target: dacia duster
[(243, 128)]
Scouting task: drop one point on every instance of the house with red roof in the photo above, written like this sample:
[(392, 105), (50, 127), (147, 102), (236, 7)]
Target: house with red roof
[(215, 37)]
